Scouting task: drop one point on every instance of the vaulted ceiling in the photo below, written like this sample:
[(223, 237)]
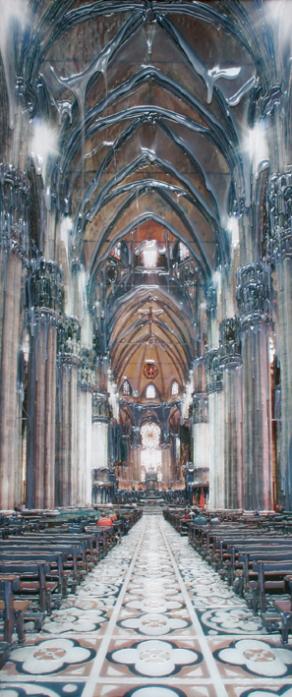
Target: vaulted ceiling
[(153, 102)]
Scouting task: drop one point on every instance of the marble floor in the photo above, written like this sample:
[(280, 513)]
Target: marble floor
[(151, 620)]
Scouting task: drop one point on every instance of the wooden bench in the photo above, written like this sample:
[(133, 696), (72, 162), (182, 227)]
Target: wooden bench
[(73, 552), (235, 558), (257, 560), (47, 555), (268, 578), (32, 575), (48, 590), (12, 610), (87, 543), (245, 558)]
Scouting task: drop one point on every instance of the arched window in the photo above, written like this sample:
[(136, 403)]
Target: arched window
[(126, 388), (150, 392), (174, 389), (150, 254), (116, 253), (184, 252)]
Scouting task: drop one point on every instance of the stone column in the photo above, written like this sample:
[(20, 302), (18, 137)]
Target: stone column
[(86, 386), (216, 430), (102, 365), (67, 473), (280, 252), (232, 386), (14, 193), (99, 449), (201, 453), (45, 298), (254, 306)]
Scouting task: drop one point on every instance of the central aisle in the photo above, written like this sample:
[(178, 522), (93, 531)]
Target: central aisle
[(152, 620)]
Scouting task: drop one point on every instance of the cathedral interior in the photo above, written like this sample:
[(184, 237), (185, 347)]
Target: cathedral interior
[(145, 346)]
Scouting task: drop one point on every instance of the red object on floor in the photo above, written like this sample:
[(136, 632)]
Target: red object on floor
[(105, 522), (202, 499)]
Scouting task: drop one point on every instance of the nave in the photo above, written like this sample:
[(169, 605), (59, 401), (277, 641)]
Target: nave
[(151, 620)]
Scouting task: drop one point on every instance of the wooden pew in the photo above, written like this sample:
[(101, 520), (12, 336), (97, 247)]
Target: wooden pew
[(12, 610), (32, 574), (73, 551), (221, 546), (235, 560), (240, 571), (52, 587), (86, 542), (256, 556), (269, 578), (48, 554)]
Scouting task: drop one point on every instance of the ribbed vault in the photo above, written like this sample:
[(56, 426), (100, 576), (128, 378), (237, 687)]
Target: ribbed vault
[(152, 117), (153, 105)]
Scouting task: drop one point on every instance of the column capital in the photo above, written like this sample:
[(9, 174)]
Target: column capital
[(230, 344), (253, 294), (87, 373), (280, 212), (214, 370), (69, 340), (200, 408), (45, 287), (14, 200)]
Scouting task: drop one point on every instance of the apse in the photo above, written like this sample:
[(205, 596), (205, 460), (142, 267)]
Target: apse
[(150, 454)]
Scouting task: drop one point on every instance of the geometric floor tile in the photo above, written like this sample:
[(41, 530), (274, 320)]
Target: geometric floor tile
[(159, 658), (236, 620), (258, 657), (52, 656), (43, 689), (151, 620), (156, 690), (261, 690)]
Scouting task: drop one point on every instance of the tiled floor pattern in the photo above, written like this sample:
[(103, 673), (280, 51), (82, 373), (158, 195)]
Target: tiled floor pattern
[(152, 620)]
